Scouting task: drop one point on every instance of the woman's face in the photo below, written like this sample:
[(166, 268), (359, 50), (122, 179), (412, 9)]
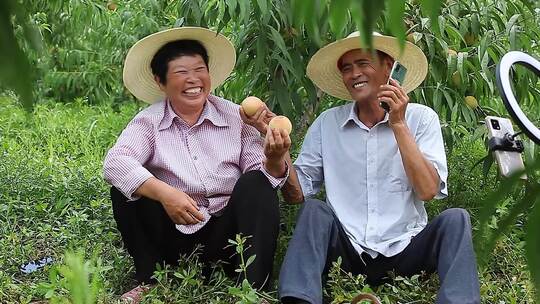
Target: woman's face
[(187, 82)]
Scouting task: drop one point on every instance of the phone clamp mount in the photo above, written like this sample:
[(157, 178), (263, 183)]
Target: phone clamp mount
[(506, 143)]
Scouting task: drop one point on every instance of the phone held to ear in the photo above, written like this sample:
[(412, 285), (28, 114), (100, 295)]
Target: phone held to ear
[(508, 161), (398, 74)]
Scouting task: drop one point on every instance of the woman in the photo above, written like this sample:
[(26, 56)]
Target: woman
[(187, 170)]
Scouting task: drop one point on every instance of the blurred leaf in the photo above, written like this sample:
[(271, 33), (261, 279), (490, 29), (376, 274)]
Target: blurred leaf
[(432, 8), (338, 15), (396, 11), (231, 4), (366, 21), (532, 246), (15, 70)]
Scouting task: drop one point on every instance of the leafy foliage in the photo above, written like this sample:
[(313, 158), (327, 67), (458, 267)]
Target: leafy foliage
[(73, 50), (53, 199)]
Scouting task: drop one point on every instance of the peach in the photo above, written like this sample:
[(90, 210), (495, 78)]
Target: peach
[(251, 104), (471, 102), (281, 123), (452, 53)]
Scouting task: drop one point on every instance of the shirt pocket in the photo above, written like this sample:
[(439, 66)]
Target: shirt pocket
[(398, 181)]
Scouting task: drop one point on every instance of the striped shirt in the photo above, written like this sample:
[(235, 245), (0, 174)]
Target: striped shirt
[(204, 160)]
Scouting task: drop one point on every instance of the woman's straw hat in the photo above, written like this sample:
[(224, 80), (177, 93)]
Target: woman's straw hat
[(138, 77)]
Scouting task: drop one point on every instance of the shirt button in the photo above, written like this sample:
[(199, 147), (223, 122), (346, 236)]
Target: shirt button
[(194, 157)]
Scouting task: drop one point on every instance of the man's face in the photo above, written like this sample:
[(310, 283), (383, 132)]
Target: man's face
[(363, 73), (188, 81)]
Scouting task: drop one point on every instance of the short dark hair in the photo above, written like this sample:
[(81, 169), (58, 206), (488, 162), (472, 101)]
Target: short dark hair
[(380, 54), (173, 50)]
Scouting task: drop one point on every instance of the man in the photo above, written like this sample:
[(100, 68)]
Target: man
[(187, 170), (377, 168)]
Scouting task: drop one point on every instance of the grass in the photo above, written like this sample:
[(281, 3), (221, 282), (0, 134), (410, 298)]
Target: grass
[(53, 199)]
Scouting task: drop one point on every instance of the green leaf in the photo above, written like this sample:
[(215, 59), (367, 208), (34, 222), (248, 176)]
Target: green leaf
[(475, 24), (460, 67), (511, 23), (263, 7), (250, 260), (15, 70), (367, 12), (245, 10), (280, 43), (432, 8), (338, 15), (452, 31), (231, 4), (396, 11), (532, 246), (301, 9), (280, 96), (512, 38)]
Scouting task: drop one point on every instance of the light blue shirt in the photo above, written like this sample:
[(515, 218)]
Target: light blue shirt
[(364, 178)]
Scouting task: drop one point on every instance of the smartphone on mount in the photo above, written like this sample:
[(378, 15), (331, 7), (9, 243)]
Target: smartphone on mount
[(507, 161), (398, 74)]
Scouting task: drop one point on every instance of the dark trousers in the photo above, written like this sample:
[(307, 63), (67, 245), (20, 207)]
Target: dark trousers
[(151, 237), (444, 246)]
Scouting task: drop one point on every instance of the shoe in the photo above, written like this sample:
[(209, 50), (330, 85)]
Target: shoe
[(135, 295)]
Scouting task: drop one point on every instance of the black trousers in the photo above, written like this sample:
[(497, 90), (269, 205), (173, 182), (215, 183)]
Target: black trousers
[(151, 237)]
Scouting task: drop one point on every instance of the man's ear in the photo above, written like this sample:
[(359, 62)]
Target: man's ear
[(161, 85), (388, 62)]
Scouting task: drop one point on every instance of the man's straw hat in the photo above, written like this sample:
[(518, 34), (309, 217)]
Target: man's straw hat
[(323, 70), (138, 77)]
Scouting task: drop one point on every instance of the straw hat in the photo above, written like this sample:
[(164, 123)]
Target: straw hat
[(322, 69), (138, 77)]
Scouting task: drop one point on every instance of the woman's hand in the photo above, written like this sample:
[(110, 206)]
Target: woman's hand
[(259, 120), (181, 208)]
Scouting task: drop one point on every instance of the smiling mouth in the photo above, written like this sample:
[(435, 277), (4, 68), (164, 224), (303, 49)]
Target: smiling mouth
[(360, 84), (193, 91)]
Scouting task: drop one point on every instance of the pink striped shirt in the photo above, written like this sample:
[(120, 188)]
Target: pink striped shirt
[(204, 160)]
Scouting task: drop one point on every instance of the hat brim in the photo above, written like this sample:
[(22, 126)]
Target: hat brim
[(138, 77), (322, 69)]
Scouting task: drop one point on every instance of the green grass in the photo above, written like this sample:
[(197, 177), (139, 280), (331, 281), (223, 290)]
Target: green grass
[(53, 199)]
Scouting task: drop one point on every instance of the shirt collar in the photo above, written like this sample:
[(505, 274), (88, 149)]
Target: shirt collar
[(210, 112), (353, 116)]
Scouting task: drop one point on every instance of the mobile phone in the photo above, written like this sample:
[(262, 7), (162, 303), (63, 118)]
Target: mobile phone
[(397, 73), (507, 161)]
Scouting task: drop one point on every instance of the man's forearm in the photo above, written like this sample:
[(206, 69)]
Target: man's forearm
[(422, 174), (291, 190)]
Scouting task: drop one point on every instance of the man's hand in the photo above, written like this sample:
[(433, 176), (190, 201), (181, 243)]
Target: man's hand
[(181, 208), (259, 120), (396, 98)]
